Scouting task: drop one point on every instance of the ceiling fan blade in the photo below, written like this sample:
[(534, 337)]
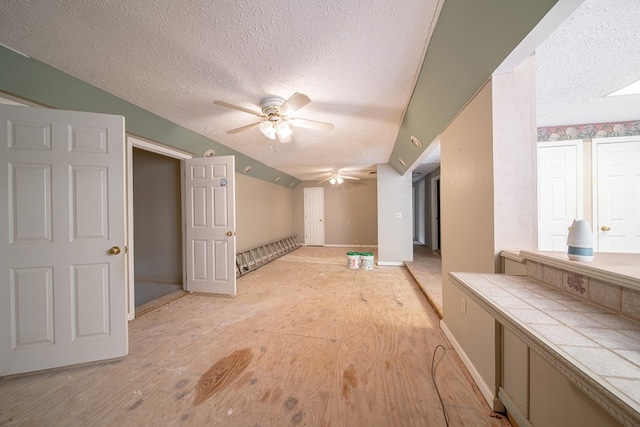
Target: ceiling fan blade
[(311, 124), (293, 104), (350, 177), (243, 128), (325, 180), (237, 107)]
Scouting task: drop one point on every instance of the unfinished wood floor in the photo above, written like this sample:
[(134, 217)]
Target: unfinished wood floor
[(305, 342)]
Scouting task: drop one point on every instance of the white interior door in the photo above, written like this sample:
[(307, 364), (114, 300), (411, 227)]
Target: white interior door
[(210, 225), (618, 196), (559, 193), (314, 216), (62, 287)]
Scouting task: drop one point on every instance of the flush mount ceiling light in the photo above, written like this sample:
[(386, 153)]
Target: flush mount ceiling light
[(415, 141), (277, 117), (632, 89)]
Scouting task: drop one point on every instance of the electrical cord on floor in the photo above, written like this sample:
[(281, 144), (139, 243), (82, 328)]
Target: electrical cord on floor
[(433, 378)]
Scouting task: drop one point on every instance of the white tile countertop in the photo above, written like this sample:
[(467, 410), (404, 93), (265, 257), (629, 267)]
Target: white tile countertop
[(596, 349)]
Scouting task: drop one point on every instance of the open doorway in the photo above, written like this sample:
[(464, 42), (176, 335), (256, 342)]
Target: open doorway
[(154, 217), (157, 219), (435, 213), (419, 212)]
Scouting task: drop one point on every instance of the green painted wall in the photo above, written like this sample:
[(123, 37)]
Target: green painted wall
[(35, 81), (470, 41)]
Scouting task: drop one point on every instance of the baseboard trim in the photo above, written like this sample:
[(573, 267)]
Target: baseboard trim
[(513, 410), (485, 390), (391, 263)]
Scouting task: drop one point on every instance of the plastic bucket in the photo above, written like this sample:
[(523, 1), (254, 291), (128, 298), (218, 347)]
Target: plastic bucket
[(353, 260), (366, 260)]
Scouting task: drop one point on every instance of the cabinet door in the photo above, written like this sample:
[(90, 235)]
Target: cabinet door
[(515, 376)]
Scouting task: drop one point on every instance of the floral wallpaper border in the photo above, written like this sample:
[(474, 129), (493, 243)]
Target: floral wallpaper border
[(596, 130)]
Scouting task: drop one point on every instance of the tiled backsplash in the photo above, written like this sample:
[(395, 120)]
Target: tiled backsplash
[(622, 300)]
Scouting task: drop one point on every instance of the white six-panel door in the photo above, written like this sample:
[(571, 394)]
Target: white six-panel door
[(210, 225), (314, 216), (618, 196), (62, 272), (559, 193)]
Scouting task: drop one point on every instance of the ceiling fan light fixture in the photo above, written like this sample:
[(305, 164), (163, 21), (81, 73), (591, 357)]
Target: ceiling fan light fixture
[(268, 129), (283, 129), (339, 179), (332, 181), (275, 115)]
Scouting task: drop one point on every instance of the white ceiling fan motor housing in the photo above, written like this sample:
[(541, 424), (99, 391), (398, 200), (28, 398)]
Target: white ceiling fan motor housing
[(270, 106)]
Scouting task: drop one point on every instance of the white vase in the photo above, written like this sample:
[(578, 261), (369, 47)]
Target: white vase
[(580, 241)]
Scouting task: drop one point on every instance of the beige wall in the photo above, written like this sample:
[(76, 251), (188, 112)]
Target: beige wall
[(467, 189), (487, 205), (467, 226), (350, 212), (264, 212)]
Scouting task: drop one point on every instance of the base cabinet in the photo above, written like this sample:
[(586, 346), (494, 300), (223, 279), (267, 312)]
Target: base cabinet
[(536, 394), (575, 408)]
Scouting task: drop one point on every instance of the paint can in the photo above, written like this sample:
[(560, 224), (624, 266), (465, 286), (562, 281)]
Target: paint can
[(353, 260), (366, 260)]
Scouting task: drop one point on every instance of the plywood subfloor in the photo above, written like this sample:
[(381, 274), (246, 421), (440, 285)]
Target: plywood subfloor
[(305, 342)]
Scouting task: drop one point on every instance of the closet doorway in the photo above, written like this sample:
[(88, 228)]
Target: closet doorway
[(155, 194)]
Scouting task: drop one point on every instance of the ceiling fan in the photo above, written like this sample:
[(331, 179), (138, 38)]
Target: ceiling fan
[(276, 116), (336, 178)]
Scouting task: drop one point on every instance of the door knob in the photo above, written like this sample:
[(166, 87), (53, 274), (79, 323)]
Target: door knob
[(605, 228), (229, 233), (114, 250)]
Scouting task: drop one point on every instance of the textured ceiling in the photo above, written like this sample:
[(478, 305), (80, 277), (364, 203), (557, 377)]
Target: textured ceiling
[(357, 61), (595, 52)]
